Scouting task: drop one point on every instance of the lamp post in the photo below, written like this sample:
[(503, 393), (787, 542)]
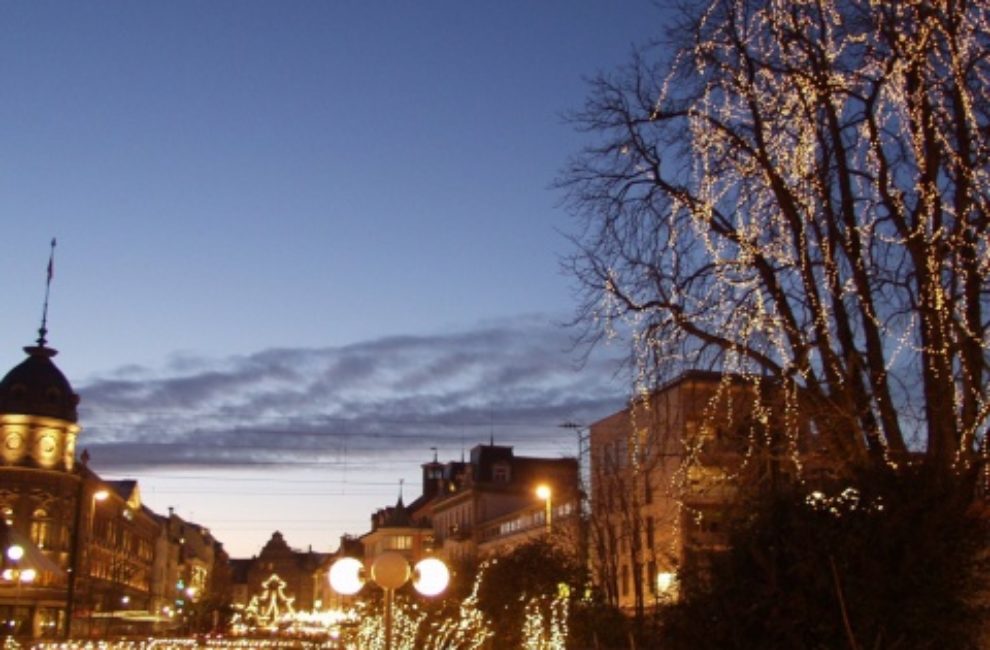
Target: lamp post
[(76, 566), (390, 571), (544, 492), (17, 575)]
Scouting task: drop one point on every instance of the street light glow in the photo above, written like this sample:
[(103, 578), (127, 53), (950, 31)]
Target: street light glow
[(15, 552), (544, 492), (430, 576), (345, 576)]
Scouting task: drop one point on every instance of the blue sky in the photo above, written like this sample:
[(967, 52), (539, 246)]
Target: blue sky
[(300, 243)]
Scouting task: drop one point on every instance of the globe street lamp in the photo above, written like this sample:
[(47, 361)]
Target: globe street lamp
[(544, 492), (18, 576), (390, 571)]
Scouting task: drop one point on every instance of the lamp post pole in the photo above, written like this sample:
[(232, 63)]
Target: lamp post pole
[(545, 493), (76, 565), (390, 570), (18, 575)]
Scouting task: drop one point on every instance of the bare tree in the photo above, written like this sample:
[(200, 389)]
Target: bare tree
[(799, 190)]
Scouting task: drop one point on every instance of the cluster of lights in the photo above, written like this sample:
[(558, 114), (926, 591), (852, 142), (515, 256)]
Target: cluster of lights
[(762, 191), (545, 623), (16, 574), (173, 644), (849, 500)]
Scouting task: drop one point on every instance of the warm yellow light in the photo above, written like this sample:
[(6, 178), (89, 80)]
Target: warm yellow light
[(15, 552), (390, 570), (101, 495), (431, 576), (665, 581), (543, 491), (346, 576)]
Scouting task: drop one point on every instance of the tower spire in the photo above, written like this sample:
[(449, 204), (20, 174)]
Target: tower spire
[(43, 330)]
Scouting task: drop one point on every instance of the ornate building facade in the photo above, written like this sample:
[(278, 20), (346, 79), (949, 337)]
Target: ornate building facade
[(80, 556)]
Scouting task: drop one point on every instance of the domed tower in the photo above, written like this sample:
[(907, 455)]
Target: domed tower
[(38, 417), (41, 490)]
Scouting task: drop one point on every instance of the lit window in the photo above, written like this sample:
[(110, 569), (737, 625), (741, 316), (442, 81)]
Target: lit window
[(41, 529)]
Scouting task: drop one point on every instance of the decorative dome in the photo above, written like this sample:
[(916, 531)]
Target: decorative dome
[(37, 387)]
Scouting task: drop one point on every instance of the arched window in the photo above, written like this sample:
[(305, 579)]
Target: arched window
[(8, 515), (41, 528)]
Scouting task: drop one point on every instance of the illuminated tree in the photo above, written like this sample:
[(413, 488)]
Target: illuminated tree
[(525, 592), (798, 192), (267, 609)]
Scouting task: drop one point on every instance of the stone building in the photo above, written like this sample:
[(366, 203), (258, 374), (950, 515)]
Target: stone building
[(488, 505), (91, 559), (665, 472), (41, 488), (283, 576)]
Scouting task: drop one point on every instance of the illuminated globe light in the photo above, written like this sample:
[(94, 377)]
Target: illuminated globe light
[(390, 570), (15, 552), (431, 576), (345, 576), (28, 575)]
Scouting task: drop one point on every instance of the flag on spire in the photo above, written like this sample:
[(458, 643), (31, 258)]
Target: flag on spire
[(51, 262)]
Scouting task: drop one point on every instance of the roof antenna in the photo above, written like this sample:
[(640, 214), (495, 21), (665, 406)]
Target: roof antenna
[(434, 450), (491, 426), (43, 330)]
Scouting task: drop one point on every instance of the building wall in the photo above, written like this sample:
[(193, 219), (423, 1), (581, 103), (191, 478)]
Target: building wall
[(491, 505), (661, 476)]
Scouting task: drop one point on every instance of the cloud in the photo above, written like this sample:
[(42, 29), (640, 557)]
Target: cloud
[(515, 380)]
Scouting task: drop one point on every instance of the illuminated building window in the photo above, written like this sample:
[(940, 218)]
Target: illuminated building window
[(8, 515), (399, 543), (41, 529)]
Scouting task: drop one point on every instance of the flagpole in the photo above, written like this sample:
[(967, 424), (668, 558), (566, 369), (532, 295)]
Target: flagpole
[(43, 331)]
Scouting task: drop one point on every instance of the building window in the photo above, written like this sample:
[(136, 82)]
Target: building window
[(41, 529), (399, 543), (501, 473), (625, 580)]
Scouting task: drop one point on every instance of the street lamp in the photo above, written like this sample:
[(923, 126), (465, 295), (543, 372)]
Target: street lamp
[(18, 576), (76, 565), (390, 570), (544, 492)]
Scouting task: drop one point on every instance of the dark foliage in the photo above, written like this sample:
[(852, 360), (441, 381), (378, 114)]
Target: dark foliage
[(899, 562), (533, 569)]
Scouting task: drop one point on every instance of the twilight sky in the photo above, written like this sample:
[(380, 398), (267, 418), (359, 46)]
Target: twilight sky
[(301, 243)]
